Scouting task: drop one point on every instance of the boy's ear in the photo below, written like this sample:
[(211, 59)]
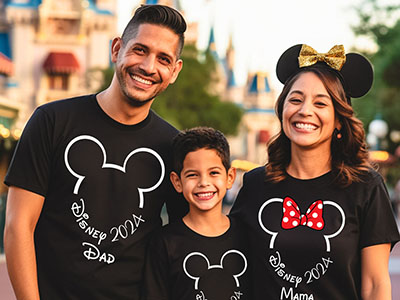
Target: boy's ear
[(231, 177), (176, 181)]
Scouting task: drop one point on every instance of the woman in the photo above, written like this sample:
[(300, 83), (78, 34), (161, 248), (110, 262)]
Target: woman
[(320, 215)]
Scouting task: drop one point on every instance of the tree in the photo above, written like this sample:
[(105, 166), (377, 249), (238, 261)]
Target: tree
[(381, 23), (189, 103)]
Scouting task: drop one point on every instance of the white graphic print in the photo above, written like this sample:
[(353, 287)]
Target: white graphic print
[(274, 234), (292, 217), (114, 166), (220, 266), (80, 212)]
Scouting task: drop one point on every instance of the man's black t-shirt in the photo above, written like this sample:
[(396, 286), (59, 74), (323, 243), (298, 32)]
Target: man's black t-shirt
[(104, 185)]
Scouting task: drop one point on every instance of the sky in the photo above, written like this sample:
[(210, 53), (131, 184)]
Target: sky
[(262, 30)]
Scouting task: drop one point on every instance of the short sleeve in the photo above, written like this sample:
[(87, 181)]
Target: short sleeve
[(177, 206), (30, 166), (378, 225), (251, 180), (156, 271)]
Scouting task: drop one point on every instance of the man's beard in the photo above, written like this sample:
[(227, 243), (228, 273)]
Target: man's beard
[(131, 100)]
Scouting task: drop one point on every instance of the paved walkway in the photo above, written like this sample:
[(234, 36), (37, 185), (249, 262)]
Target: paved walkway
[(6, 291)]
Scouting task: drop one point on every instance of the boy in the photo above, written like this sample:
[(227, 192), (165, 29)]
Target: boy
[(203, 255)]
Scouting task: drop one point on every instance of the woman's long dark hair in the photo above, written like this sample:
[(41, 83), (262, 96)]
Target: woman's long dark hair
[(349, 155)]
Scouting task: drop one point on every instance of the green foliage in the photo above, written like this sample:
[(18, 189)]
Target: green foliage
[(188, 102), (381, 24)]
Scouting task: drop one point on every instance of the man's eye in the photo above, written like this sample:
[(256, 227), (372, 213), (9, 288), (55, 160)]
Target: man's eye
[(165, 60), (138, 50)]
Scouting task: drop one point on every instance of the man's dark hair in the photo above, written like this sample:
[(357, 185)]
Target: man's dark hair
[(157, 15), (191, 140)]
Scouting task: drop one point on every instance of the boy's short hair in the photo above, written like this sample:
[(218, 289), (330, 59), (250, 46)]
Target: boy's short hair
[(158, 15), (191, 140)]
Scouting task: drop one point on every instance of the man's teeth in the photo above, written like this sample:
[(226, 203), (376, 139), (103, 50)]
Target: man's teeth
[(305, 126), (137, 78)]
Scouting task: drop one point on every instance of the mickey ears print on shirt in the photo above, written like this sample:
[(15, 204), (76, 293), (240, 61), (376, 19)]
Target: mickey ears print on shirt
[(235, 270), (107, 165), (353, 69)]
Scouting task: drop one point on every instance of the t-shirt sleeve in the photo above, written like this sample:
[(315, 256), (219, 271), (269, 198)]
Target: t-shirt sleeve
[(30, 166), (177, 206), (156, 271), (240, 201), (378, 225)]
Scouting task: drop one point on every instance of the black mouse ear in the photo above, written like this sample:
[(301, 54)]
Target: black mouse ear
[(358, 75), (288, 64)]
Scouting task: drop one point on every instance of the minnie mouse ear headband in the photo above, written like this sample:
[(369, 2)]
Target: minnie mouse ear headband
[(353, 69)]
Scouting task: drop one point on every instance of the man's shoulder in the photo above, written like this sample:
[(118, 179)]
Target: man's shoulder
[(160, 122), (67, 103)]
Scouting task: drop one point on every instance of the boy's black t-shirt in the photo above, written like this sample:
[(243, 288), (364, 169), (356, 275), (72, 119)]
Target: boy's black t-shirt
[(307, 235), (184, 265), (104, 185)]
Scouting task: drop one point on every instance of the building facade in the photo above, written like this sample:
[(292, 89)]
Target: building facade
[(49, 49)]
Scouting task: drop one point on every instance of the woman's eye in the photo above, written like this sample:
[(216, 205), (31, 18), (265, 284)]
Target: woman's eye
[(320, 104), (294, 100)]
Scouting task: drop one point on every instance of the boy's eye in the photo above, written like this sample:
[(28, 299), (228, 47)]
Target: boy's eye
[(215, 172), (191, 175)]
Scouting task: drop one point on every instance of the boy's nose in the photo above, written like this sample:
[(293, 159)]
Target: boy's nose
[(203, 181)]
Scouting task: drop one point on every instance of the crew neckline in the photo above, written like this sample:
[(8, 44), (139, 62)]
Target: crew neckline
[(115, 123), (223, 235)]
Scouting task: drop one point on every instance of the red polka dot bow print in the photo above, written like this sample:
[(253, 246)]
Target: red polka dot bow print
[(292, 217)]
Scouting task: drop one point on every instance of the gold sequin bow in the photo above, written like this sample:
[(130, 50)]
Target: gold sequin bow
[(335, 58)]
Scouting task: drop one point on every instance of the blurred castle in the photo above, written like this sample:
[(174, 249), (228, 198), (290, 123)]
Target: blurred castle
[(54, 49), (256, 97), (47, 48)]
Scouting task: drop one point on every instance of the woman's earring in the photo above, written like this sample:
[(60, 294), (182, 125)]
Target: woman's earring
[(336, 134)]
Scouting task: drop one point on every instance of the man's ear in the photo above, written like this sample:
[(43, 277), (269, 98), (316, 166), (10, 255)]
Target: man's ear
[(176, 182), (177, 69), (116, 46), (231, 177)]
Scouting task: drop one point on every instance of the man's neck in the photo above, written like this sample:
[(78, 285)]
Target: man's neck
[(113, 104)]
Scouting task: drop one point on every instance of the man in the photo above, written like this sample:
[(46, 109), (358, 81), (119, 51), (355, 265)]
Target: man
[(88, 178)]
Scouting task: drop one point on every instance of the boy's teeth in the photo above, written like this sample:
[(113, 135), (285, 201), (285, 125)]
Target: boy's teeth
[(205, 194)]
